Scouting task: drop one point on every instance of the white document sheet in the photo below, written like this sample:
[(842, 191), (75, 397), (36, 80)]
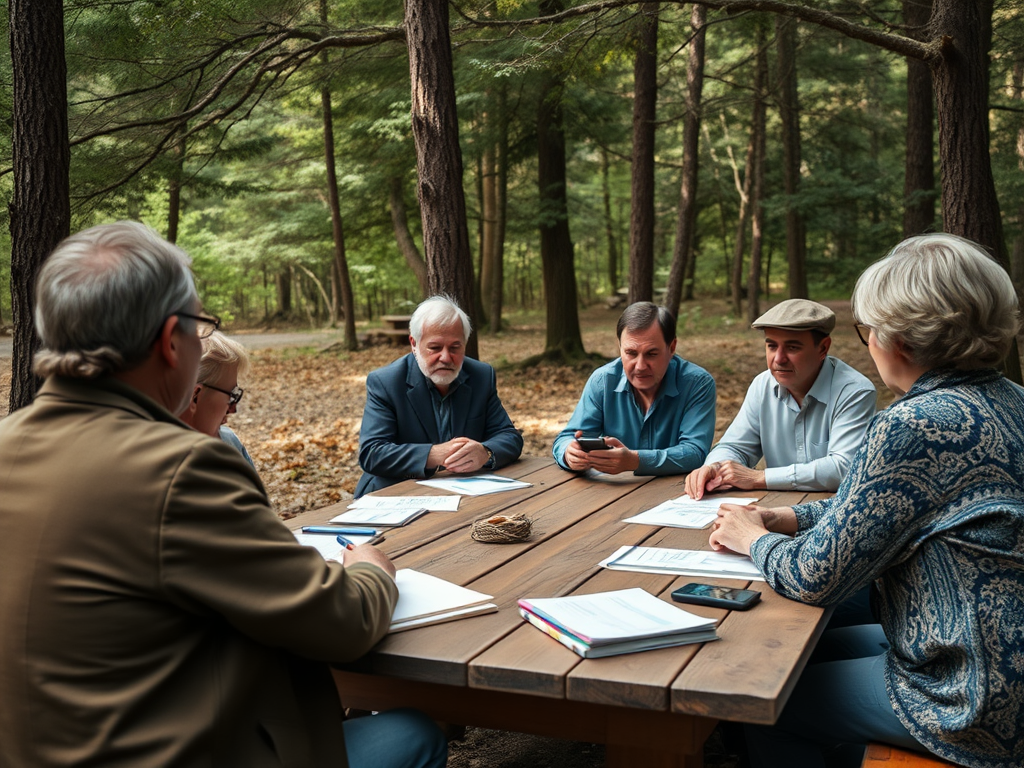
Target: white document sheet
[(684, 512), (379, 517), (476, 485), (722, 565), (431, 503), (326, 544)]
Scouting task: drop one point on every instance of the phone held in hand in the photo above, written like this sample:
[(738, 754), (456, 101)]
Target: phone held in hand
[(717, 597), (589, 444)]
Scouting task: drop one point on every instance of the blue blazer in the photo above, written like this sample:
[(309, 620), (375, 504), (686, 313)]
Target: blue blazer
[(399, 428)]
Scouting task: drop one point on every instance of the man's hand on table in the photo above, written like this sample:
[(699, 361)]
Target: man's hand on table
[(367, 553), (459, 455), (720, 476), (739, 525)]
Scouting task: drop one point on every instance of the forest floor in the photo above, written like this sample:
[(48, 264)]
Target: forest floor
[(302, 409)]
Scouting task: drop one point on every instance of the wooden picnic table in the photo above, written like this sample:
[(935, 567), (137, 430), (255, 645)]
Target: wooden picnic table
[(654, 708), (397, 329)]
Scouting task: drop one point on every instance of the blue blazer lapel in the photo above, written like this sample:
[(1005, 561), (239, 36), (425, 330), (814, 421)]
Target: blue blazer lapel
[(418, 395)]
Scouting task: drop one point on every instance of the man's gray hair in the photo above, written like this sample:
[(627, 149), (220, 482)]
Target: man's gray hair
[(947, 300), (438, 312), (102, 297)]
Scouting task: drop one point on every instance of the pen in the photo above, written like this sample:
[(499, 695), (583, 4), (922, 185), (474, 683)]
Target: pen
[(340, 529), (345, 542)]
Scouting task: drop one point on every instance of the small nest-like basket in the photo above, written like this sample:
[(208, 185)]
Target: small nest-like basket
[(502, 529)]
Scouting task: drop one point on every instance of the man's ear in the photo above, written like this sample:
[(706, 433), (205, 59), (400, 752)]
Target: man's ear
[(672, 347), (826, 344), (168, 345)]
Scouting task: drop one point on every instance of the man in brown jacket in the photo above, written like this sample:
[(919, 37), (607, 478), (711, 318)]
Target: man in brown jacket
[(153, 610)]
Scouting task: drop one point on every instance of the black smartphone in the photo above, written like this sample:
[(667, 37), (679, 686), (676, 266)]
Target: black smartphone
[(719, 597), (589, 444)]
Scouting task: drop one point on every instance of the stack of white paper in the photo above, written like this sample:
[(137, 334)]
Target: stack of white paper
[(725, 565), (684, 512), (430, 503), (424, 599), (384, 518), (476, 485)]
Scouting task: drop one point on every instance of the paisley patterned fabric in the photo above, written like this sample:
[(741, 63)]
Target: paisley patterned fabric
[(933, 509)]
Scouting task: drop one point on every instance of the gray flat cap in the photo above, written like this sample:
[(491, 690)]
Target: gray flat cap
[(798, 315)]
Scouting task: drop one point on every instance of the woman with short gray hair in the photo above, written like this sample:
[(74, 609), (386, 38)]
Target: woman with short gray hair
[(931, 514)]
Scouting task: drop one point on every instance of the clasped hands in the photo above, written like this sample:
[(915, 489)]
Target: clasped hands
[(616, 458), (459, 455), (720, 476)]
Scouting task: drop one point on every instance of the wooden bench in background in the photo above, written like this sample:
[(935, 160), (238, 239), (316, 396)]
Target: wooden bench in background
[(397, 329), (885, 756)]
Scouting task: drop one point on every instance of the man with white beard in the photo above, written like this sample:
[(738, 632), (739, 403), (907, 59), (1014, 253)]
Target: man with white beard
[(433, 409)]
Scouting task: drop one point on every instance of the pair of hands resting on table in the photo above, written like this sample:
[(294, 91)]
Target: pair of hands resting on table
[(722, 475), (739, 525), (616, 458), (459, 455)]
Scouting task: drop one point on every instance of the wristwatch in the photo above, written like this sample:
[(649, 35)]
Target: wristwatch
[(489, 464)]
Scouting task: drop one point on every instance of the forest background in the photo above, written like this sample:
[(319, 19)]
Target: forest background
[(328, 162)]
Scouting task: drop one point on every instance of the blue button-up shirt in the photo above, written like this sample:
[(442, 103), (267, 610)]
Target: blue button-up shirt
[(673, 437), (809, 447)]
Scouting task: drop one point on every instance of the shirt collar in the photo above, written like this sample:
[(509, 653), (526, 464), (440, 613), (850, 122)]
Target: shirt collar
[(668, 387), (820, 390)]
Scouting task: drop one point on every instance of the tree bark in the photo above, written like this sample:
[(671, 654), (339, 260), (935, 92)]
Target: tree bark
[(757, 193), (341, 272), (40, 208), (563, 340), (406, 242), (743, 219), (970, 207), (919, 178), (789, 113), (435, 128), (686, 217), (496, 297), (174, 189), (645, 102), (612, 266)]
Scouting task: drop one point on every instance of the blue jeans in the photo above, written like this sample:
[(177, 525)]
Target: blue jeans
[(400, 738), (838, 705)]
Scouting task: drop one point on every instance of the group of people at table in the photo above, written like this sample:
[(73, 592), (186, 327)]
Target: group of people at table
[(155, 612)]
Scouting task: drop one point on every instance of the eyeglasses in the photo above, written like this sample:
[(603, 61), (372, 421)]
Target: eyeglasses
[(205, 325), (234, 395), (863, 332)]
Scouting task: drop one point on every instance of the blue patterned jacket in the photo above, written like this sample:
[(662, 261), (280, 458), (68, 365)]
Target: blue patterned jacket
[(933, 509)]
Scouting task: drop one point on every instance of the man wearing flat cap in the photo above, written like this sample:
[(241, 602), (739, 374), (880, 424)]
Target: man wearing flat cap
[(806, 415)]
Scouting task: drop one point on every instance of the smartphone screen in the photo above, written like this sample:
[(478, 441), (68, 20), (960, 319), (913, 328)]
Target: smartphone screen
[(592, 443), (719, 597)]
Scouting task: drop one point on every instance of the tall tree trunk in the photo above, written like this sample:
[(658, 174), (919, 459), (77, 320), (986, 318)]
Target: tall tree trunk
[(1017, 254), (736, 280), (406, 242), (919, 178), (497, 291), (645, 102), (174, 188), (488, 220), (789, 113), (563, 339), (612, 266), (40, 207), (435, 128), (757, 194), (283, 284), (339, 270), (970, 207), (686, 218)]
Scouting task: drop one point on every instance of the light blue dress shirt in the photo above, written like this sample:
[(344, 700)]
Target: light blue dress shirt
[(805, 448), (673, 437), (228, 436)]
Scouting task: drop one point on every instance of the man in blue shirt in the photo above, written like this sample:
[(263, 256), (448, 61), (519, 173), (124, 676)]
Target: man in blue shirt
[(656, 410), (806, 415)]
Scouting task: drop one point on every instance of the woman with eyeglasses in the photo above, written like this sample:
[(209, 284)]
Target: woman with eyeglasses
[(217, 392), (932, 514)]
